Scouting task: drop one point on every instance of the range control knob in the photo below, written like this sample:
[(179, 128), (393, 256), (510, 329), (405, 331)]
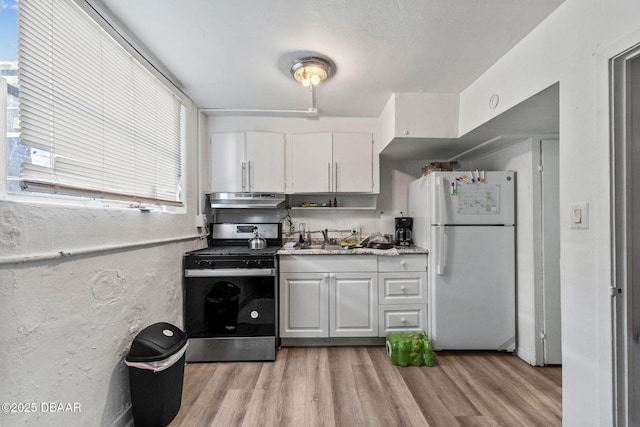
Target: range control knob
[(204, 263)]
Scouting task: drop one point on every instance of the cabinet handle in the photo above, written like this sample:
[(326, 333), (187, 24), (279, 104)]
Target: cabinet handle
[(249, 175), (244, 172), (335, 174), (329, 175), (403, 263), (403, 320), (403, 288)]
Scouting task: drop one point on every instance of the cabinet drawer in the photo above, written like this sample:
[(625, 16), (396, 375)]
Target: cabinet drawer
[(402, 288), (327, 263), (416, 262), (409, 317)]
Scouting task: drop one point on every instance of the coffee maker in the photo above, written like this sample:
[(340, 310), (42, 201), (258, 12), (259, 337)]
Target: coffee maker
[(404, 226)]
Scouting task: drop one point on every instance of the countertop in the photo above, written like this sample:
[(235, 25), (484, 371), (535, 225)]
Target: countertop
[(337, 250)]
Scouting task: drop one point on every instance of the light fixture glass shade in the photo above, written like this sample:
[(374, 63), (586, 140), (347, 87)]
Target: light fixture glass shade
[(311, 71)]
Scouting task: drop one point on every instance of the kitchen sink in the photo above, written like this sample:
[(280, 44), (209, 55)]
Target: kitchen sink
[(325, 247)]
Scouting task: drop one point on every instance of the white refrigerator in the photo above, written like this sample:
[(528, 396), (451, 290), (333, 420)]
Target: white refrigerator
[(467, 222)]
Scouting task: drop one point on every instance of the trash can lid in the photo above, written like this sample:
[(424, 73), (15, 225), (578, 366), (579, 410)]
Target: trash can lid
[(156, 342)]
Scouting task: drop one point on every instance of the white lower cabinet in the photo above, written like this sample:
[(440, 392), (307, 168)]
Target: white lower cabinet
[(324, 296), (353, 304), (402, 293), (304, 305)]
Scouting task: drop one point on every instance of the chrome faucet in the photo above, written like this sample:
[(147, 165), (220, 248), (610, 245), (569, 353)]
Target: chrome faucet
[(325, 235)]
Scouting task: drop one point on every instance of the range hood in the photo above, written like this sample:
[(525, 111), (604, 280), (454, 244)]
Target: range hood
[(246, 200)]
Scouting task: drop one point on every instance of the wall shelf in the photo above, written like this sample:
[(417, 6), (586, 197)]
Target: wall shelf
[(332, 209), (346, 202)]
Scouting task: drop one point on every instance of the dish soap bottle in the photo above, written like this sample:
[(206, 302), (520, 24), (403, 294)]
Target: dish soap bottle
[(300, 236)]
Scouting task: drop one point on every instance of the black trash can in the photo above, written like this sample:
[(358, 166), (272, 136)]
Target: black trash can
[(156, 372), (222, 304)]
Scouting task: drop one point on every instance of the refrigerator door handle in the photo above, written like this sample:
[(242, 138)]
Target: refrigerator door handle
[(441, 261), (438, 201)]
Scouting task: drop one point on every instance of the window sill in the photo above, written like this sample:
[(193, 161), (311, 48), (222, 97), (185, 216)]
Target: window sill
[(77, 202)]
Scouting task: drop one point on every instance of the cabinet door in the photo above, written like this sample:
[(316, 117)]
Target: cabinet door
[(265, 162), (353, 309), (304, 305), (311, 164), (227, 154), (352, 162)]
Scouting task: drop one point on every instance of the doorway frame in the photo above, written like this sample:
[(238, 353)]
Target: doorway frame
[(621, 214), (548, 286)]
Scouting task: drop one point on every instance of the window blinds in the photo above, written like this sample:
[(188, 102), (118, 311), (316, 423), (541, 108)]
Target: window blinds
[(109, 127)]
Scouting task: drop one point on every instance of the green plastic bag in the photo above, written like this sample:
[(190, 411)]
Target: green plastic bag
[(409, 349)]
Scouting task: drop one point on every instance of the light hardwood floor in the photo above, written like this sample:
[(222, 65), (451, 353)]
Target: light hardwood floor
[(358, 386)]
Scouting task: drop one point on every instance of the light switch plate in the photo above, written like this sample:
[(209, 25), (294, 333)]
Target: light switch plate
[(579, 216)]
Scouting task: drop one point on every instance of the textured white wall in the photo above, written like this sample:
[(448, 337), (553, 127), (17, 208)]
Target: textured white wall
[(572, 47), (67, 325)]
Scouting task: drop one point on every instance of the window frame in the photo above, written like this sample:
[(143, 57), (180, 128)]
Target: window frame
[(133, 48)]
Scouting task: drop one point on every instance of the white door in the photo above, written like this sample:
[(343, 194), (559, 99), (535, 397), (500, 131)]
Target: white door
[(457, 202), (352, 162), (472, 278), (625, 203), (227, 165), (265, 162), (304, 305), (311, 160), (354, 305)]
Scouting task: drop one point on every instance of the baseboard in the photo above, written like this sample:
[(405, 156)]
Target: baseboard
[(331, 342)]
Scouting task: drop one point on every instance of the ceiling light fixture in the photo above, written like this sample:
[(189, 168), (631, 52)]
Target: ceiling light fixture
[(311, 71)]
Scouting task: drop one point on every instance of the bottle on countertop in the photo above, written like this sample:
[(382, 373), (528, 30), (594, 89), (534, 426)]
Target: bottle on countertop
[(300, 236), (335, 202)]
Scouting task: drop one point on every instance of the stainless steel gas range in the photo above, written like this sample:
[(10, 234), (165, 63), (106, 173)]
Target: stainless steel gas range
[(231, 293)]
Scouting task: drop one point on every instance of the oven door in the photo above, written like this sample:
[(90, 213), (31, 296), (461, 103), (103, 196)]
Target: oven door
[(230, 303)]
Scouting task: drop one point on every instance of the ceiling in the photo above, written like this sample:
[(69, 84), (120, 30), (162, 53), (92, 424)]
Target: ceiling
[(236, 54)]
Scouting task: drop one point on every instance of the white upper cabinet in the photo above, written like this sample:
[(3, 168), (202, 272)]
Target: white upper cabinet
[(311, 163), (265, 162), (353, 162), (331, 163), (247, 162), (418, 116)]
